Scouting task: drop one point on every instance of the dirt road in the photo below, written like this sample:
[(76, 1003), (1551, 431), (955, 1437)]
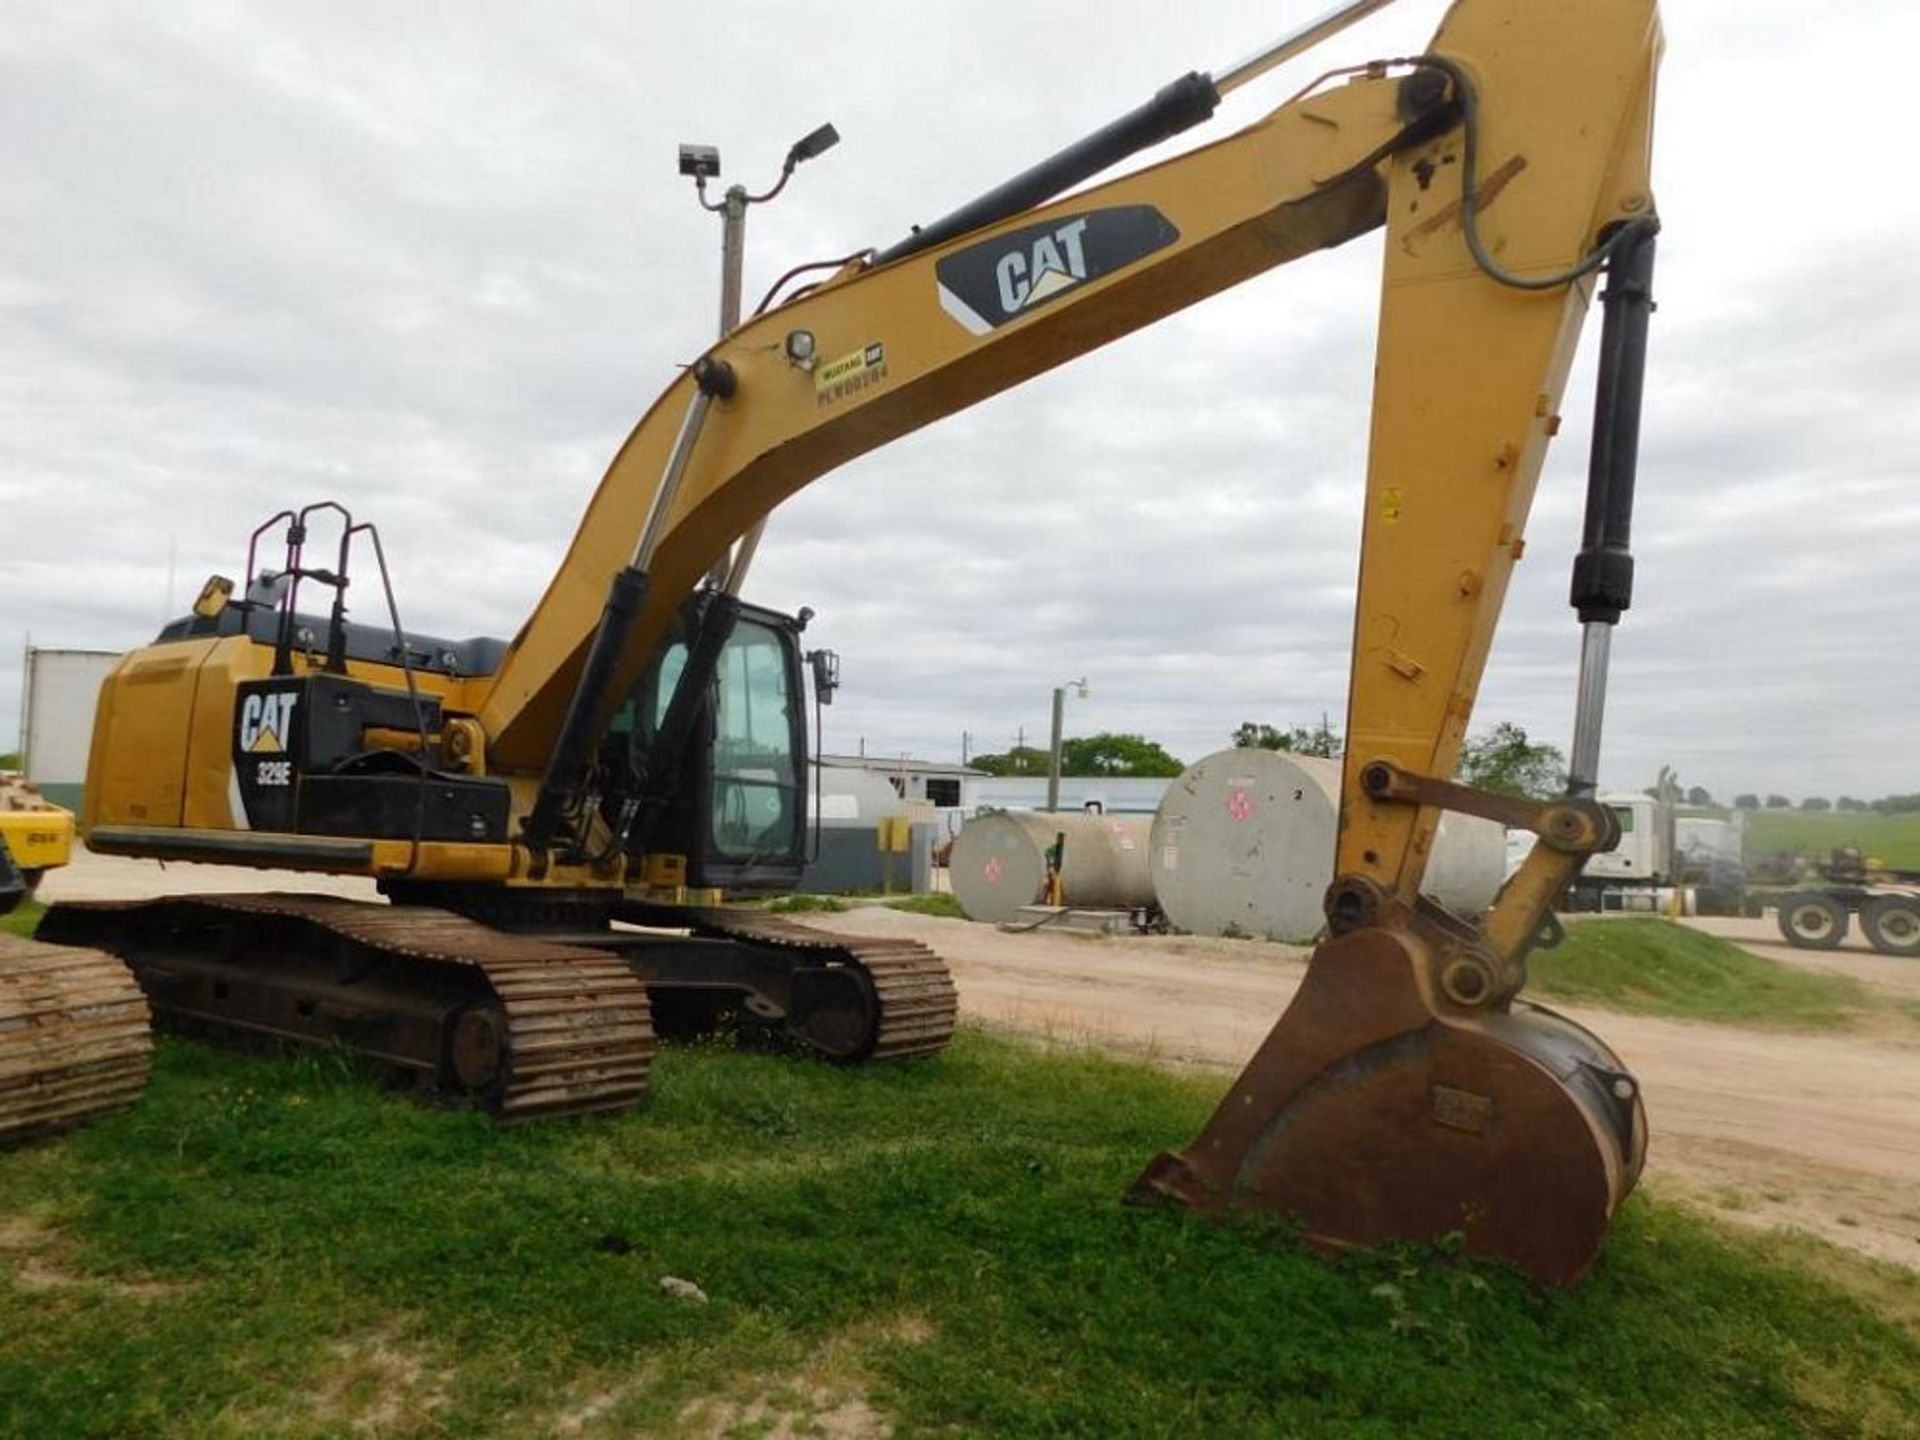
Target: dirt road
[(1857, 960), (1819, 1131)]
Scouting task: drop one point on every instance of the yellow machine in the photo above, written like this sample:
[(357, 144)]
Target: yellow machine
[(35, 836), (642, 738)]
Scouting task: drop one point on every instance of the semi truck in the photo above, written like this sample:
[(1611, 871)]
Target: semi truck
[(1849, 886)]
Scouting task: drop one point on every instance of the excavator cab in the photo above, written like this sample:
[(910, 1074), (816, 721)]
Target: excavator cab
[(736, 799)]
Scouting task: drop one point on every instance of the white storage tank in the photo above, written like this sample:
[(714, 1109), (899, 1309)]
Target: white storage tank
[(999, 861), (1243, 844)]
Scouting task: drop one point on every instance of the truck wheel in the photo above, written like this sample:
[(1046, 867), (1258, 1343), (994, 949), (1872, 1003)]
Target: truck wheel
[(1813, 921), (1892, 924)]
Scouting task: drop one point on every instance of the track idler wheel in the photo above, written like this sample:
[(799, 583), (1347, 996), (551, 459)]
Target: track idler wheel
[(476, 1048), (1377, 1110), (833, 1010)]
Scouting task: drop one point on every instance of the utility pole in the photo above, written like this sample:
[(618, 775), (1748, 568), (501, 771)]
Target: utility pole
[(1059, 719), (702, 162)]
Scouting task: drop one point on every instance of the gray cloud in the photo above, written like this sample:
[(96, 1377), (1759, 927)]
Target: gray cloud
[(434, 264)]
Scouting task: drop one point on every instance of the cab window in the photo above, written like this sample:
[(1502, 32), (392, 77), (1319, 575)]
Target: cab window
[(756, 785)]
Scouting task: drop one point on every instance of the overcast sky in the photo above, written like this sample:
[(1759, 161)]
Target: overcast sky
[(434, 261)]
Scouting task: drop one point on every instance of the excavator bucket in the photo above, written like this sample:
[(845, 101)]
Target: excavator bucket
[(1376, 1111)]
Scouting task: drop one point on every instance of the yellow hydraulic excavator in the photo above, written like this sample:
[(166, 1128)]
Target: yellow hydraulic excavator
[(531, 807)]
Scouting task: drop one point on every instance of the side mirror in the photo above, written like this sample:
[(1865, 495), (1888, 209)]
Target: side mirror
[(826, 673), (214, 596)]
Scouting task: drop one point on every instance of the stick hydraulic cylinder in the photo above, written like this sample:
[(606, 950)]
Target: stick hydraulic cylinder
[(1602, 588)]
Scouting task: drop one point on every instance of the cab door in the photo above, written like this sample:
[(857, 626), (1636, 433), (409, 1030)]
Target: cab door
[(756, 802)]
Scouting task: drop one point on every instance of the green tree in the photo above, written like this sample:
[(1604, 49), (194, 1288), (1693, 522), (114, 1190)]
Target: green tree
[(1699, 795), (1816, 802), (1746, 802), (1850, 803), (1020, 760), (1505, 761), (1118, 755), (1250, 736), (1779, 802), (1321, 739), (9, 762)]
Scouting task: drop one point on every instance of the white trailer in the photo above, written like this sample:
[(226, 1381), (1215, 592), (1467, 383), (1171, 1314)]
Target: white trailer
[(56, 718)]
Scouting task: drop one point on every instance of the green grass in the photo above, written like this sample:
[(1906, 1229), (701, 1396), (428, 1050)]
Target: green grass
[(1892, 839), (23, 919), (1656, 967), (279, 1247), (807, 905), (940, 903)]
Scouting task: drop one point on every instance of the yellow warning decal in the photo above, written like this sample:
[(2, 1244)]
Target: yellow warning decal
[(1390, 506), (850, 373)]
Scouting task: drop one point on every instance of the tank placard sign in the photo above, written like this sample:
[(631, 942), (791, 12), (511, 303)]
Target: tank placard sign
[(992, 870), (1240, 804)]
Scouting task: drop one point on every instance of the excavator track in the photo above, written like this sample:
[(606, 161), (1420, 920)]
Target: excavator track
[(525, 1027), (913, 989), (75, 1038)]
